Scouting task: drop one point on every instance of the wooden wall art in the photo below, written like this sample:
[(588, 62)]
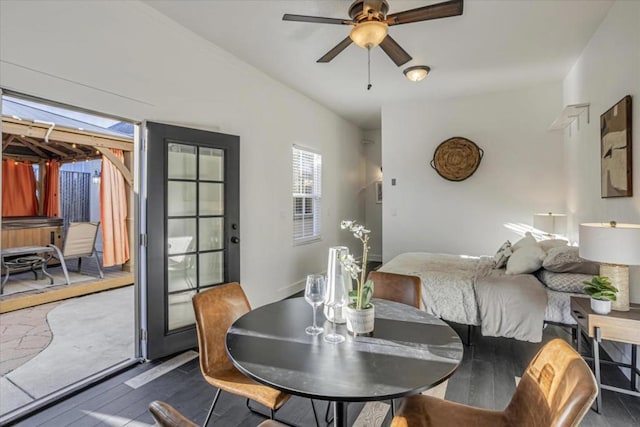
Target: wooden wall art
[(615, 154)]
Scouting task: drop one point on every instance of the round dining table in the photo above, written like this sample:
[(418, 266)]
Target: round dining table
[(408, 352)]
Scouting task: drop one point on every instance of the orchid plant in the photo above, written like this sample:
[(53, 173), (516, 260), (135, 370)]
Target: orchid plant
[(361, 296)]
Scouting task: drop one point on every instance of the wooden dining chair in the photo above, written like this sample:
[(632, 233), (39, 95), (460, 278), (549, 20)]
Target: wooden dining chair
[(397, 287), (556, 390), (216, 310), (392, 287), (166, 415)]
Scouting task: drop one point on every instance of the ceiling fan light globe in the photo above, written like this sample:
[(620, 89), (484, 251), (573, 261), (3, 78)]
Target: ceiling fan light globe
[(417, 73), (369, 34)]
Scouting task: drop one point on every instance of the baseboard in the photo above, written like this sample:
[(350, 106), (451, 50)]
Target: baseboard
[(375, 257)]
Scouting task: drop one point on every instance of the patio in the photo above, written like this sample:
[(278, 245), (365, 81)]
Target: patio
[(22, 290), (50, 346)]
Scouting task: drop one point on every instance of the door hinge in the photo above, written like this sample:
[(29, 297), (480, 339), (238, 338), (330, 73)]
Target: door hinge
[(143, 334), (143, 239)]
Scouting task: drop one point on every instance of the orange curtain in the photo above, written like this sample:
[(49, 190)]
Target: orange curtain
[(51, 206), (18, 189), (113, 213)]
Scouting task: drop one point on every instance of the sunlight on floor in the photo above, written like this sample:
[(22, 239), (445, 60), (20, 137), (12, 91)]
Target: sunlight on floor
[(115, 421)]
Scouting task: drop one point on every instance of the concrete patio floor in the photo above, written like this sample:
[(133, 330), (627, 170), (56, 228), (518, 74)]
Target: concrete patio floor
[(51, 346)]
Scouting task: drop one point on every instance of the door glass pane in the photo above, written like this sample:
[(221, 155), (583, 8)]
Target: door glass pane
[(181, 198), (181, 235), (211, 199), (181, 272), (211, 234), (181, 310), (181, 161), (211, 164), (211, 268)]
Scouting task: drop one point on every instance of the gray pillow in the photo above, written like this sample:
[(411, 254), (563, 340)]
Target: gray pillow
[(565, 259), (527, 259), (564, 282), (503, 254)]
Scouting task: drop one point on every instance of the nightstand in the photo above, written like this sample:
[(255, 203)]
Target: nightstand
[(619, 326)]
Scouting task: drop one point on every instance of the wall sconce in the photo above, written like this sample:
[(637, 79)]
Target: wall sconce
[(95, 178)]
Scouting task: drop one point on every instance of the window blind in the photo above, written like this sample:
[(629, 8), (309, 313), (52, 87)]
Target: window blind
[(307, 194)]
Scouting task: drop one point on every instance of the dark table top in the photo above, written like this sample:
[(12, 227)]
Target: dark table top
[(409, 351)]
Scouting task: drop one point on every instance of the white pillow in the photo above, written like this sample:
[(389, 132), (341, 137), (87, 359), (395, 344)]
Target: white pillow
[(527, 240), (551, 243), (525, 260)]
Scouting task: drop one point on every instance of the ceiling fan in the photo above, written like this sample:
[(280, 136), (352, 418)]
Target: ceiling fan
[(371, 24)]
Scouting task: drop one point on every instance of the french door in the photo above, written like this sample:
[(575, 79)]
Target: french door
[(192, 225)]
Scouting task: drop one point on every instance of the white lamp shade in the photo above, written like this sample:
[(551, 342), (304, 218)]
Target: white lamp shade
[(605, 243), (550, 223)]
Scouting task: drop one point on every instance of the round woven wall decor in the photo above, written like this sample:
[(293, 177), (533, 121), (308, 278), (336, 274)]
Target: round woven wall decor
[(457, 158)]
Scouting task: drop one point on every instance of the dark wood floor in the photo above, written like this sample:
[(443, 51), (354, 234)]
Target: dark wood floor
[(485, 378)]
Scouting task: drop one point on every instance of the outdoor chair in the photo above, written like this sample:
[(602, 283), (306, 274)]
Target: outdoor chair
[(179, 261), (79, 242), (556, 390)]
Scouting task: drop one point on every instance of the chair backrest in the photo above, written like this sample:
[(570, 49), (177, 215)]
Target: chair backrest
[(166, 415), (216, 309), (397, 287), (80, 239), (556, 390)]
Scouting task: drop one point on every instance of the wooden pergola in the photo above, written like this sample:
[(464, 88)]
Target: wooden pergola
[(39, 143)]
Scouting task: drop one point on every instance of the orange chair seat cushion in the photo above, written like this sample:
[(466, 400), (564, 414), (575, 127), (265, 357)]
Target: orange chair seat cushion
[(233, 381), (428, 411)]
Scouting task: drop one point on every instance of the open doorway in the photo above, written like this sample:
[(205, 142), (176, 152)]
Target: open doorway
[(67, 306)]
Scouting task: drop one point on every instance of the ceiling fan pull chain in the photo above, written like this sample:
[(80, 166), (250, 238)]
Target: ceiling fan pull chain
[(369, 68)]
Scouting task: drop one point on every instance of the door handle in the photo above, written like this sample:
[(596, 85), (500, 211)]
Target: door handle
[(235, 239)]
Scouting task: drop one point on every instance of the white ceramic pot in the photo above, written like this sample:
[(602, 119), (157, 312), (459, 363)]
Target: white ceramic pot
[(601, 306), (360, 321)]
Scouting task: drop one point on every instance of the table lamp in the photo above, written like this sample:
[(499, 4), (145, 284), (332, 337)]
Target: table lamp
[(615, 246), (550, 223)]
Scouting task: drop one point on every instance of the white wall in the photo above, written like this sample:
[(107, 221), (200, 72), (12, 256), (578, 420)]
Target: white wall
[(521, 172), (373, 210), (126, 59), (607, 70)]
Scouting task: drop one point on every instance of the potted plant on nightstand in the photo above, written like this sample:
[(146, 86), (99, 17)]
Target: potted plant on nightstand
[(360, 312), (602, 292)]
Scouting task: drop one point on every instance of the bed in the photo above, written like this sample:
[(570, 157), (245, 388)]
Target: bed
[(472, 291)]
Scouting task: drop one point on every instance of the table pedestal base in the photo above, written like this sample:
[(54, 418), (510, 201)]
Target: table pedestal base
[(339, 414)]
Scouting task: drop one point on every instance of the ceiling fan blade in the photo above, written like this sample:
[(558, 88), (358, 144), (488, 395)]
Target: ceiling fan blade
[(336, 50), (315, 19), (433, 11), (395, 51)]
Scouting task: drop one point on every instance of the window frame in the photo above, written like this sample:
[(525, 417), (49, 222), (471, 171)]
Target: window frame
[(315, 195)]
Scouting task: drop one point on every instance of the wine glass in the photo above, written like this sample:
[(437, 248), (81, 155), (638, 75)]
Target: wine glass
[(335, 305), (315, 292)]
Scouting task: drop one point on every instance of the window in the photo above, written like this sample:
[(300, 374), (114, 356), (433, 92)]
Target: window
[(307, 194)]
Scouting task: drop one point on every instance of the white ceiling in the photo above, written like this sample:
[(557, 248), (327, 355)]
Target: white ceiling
[(494, 45)]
